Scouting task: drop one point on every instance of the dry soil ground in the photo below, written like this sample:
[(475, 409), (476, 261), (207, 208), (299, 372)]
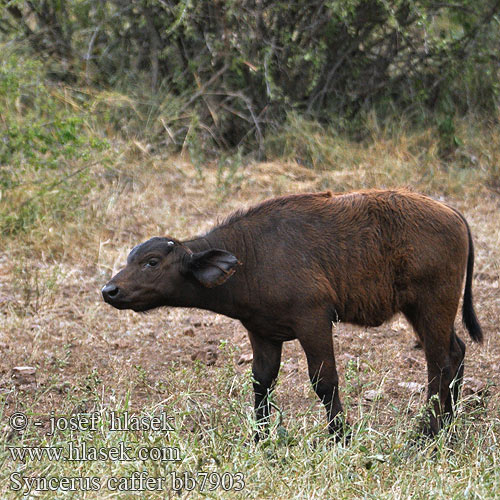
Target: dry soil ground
[(87, 354), (53, 317)]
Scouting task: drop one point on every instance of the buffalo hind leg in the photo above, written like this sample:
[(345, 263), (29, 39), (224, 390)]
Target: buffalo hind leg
[(265, 368), (315, 338), (444, 353), (457, 354)]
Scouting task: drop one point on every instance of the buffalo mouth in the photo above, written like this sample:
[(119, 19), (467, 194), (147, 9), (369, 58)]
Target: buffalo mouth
[(121, 299)]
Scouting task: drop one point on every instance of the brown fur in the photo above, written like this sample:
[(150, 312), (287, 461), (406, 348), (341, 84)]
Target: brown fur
[(290, 266)]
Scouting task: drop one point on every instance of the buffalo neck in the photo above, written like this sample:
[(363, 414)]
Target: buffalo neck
[(224, 298)]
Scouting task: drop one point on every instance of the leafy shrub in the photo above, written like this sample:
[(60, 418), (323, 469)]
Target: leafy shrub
[(45, 149), (237, 67)]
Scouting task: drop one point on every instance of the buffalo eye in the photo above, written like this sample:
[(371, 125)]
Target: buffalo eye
[(152, 263)]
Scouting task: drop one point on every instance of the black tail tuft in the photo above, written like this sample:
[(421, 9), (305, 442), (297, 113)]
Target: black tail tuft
[(468, 315)]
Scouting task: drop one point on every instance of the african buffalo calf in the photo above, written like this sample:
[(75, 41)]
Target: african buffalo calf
[(290, 266)]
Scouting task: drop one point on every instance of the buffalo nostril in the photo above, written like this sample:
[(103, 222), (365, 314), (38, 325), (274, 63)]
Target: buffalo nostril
[(110, 291)]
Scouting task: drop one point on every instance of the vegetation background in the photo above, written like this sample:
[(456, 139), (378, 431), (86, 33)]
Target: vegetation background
[(120, 120)]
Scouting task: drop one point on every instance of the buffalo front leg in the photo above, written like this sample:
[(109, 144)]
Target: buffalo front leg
[(315, 337), (265, 367)]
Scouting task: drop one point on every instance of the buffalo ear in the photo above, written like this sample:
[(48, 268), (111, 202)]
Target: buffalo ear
[(212, 267)]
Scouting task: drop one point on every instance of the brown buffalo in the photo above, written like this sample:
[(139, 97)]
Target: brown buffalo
[(290, 266)]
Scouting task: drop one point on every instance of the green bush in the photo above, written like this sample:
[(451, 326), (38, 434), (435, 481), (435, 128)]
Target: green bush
[(45, 149), (237, 68)]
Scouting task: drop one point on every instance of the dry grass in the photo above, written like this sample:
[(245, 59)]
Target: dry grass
[(90, 357)]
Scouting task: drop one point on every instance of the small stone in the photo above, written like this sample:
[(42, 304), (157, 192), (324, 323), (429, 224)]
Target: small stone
[(207, 355), (474, 387), (245, 358), (372, 395), (24, 375), (413, 387)]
